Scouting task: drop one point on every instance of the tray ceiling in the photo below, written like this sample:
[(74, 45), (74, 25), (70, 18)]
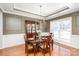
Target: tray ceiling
[(45, 10), (48, 10)]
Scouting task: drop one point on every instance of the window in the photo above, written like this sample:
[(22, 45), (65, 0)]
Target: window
[(61, 29), (54, 28)]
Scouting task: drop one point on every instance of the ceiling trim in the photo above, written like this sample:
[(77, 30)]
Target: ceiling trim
[(60, 10), (27, 12), (57, 11), (1, 9)]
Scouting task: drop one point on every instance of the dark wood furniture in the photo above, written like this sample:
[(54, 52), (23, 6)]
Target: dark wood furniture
[(32, 38), (32, 26), (36, 44), (47, 44), (31, 41), (31, 35), (27, 45)]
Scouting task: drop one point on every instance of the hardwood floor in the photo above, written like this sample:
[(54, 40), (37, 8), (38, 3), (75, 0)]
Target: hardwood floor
[(58, 50)]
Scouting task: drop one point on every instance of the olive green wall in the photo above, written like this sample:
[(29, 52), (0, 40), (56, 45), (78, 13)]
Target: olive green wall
[(48, 26), (14, 24), (75, 27), (45, 26)]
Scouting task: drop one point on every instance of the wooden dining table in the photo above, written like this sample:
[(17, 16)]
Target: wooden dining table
[(37, 43)]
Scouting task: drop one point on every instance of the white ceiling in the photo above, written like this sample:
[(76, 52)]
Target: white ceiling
[(48, 10), (45, 10)]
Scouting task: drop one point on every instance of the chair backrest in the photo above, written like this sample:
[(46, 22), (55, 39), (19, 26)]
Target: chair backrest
[(30, 35), (47, 40)]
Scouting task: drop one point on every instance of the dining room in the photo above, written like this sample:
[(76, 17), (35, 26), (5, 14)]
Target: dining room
[(39, 29)]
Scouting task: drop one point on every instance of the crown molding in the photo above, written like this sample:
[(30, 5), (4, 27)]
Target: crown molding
[(60, 10)]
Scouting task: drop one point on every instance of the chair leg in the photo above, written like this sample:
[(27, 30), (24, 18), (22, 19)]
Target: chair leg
[(52, 44), (27, 53), (43, 52), (49, 49), (34, 50), (49, 52), (26, 50)]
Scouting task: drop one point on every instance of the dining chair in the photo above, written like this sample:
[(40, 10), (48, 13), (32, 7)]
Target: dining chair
[(27, 45), (47, 44), (29, 37)]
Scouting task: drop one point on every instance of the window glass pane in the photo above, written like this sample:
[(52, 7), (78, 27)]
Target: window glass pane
[(55, 27), (61, 29), (65, 29)]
